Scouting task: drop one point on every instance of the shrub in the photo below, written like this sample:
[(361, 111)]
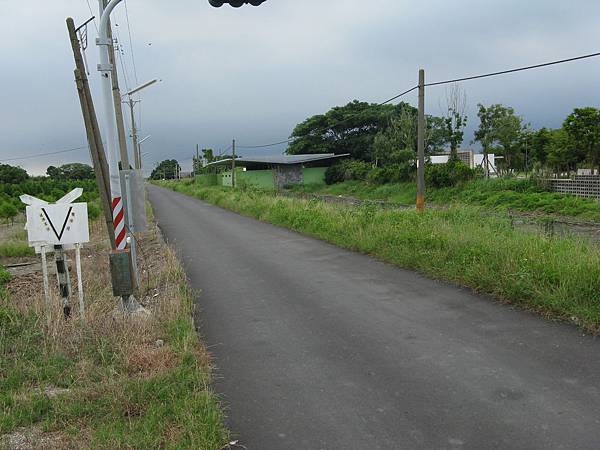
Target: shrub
[(4, 276), (346, 171), (393, 173), (447, 175), (94, 211)]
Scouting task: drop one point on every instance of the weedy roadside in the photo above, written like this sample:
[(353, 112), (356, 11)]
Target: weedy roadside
[(111, 382)]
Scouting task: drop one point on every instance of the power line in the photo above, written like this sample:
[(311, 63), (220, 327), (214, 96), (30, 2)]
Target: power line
[(455, 80), (44, 154), (130, 42), (398, 96), (265, 145), (92, 14), (351, 116), (519, 69)]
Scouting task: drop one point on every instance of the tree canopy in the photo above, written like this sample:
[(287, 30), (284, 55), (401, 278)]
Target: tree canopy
[(583, 127), (167, 169), (353, 129), (72, 171), (12, 174)]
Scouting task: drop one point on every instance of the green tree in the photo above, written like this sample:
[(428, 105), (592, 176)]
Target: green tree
[(12, 175), (8, 211), (499, 125), (539, 145), (71, 171), (560, 154), (352, 129), (509, 130), (343, 129), (399, 137), (583, 127), (166, 169), (455, 120)]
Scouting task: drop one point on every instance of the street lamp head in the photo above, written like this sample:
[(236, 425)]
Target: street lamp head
[(235, 3)]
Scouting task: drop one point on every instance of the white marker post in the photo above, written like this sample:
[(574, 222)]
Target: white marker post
[(79, 281), (46, 284), (61, 225)]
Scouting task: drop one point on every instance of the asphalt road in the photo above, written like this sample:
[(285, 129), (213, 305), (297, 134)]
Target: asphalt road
[(322, 348)]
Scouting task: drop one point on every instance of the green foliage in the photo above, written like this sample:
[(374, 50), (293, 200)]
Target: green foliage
[(72, 171), (94, 211), (352, 129), (450, 174), (347, 170), (465, 245), (494, 194), (8, 211), (166, 170), (15, 249), (583, 127), (392, 173), (173, 408), (12, 175), (500, 126), (4, 276)]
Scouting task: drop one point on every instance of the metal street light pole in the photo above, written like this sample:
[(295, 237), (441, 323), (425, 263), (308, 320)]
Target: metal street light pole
[(111, 141), (140, 154), (134, 136)]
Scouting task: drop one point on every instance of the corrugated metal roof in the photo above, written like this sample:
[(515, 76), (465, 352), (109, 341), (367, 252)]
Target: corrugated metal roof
[(282, 159)]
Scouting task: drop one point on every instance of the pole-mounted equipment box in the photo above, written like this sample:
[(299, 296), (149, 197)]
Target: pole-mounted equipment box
[(121, 271)]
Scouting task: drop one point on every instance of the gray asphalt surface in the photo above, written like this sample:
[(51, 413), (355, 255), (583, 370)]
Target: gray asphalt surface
[(321, 348)]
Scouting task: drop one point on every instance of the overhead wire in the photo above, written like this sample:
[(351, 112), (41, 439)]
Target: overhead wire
[(437, 83), (518, 69), (92, 14), (56, 152), (329, 126), (130, 42)]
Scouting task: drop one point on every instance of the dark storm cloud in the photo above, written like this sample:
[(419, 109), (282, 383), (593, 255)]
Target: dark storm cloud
[(253, 73)]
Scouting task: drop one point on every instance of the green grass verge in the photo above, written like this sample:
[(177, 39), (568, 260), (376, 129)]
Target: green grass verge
[(502, 193), (13, 249), (559, 277), (164, 400)]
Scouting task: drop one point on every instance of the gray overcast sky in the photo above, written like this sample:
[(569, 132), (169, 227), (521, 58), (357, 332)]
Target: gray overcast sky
[(253, 73)]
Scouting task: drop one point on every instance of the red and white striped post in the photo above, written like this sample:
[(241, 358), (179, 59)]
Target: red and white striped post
[(119, 223)]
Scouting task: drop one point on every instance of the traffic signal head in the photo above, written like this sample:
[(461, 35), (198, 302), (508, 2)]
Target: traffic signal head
[(235, 3)]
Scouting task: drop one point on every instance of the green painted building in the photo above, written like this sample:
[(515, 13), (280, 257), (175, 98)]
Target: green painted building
[(272, 172)]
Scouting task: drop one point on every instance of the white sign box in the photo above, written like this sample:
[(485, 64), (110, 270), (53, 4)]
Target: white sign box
[(58, 224)]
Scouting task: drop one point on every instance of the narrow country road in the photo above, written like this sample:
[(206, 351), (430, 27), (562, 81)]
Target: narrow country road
[(321, 348)]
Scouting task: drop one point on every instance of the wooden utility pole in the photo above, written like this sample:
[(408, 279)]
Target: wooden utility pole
[(421, 144), (197, 168), (92, 131), (117, 101), (233, 166)]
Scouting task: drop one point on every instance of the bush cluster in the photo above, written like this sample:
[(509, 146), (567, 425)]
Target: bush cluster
[(448, 175), (353, 170), (46, 189)]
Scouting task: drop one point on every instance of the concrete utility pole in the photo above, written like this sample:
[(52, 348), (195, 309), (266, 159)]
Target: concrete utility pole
[(134, 137), (421, 144), (117, 98), (233, 166)]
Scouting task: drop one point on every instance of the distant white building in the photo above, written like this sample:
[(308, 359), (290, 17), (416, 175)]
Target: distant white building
[(470, 158)]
